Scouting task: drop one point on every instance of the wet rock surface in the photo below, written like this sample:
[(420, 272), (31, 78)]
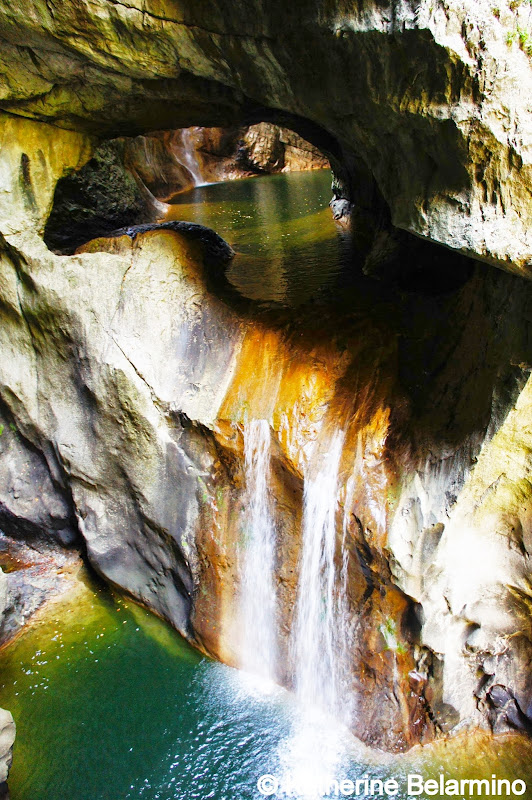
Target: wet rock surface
[(32, 576), (215, 250), (7, 725), (95, 201), (158, 376), (266, 148), (35, 503), (419, 105), (7, 738)]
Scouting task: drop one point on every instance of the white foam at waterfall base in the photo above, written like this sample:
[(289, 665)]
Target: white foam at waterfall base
[(257, 559), (317, 752)]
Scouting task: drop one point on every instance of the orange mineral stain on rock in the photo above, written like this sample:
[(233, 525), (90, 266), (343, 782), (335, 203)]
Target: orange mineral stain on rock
[(286, 383)]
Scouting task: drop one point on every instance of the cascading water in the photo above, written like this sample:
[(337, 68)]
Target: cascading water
[(257, 589), (189, 157), (314, 752), (321, 619)]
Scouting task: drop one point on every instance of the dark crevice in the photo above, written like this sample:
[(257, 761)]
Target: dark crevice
[(93, 202)]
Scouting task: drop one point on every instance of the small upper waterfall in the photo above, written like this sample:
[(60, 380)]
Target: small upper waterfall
[(257, 590), (320, 620), (189, 157)]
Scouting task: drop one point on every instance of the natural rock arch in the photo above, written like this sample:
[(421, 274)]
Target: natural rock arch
[(405, 96), (424, 97)]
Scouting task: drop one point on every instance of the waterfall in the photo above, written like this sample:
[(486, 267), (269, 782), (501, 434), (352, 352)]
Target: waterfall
[(314, 753), (321, 634), (257, 588), (189, 157), (321, 619)]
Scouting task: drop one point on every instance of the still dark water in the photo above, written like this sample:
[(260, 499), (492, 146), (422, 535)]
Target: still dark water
[(288, 246)]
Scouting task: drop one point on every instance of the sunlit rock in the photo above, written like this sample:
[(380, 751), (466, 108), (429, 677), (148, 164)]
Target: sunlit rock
[(420, 105), (130, 371)]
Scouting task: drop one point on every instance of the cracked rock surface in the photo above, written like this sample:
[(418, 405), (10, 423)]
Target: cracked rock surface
[(422, 104)]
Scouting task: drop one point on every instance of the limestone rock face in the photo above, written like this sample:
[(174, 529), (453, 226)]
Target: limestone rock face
[(158, 162), (157, 497), (34, 157), (3, 593), (99, 198), (229, 153), (141, 451), (26, 476), (420, 104), (7, 724), (469, 569), (7, 739), (267, 148)]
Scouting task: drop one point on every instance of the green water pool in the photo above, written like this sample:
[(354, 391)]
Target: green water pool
[(111, 704), (288, 248)]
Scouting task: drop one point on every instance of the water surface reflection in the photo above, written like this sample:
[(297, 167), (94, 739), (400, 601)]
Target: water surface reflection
[(110, 703), (288, 246)]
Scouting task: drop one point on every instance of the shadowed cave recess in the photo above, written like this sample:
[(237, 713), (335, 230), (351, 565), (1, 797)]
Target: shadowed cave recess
[(292, 420)]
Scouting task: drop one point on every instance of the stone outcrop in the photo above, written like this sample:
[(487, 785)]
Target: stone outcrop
[(34, 157), (420, 105), (7, 739), (37, 570), (101, 197), (268, 148), (7, 723)]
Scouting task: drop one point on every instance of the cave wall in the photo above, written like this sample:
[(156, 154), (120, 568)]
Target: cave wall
[(423, 102), (141, 452)]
